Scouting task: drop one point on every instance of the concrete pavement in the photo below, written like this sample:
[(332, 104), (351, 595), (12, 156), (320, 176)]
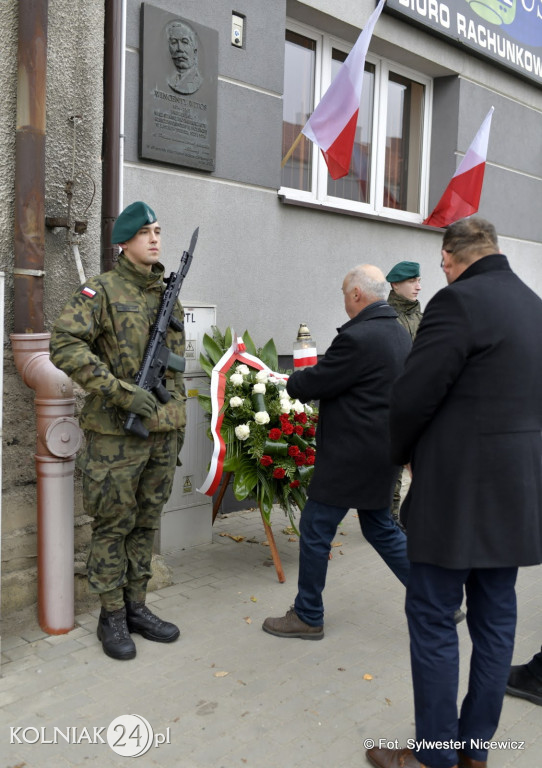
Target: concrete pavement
[(227, 695)]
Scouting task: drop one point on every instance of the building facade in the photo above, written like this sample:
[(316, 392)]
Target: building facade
[(276, 233)]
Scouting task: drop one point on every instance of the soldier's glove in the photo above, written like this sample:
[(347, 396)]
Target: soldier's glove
[(143, 403)]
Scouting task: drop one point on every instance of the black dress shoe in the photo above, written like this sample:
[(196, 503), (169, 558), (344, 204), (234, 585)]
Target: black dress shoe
[(525, 685), (143, 621), (113, 632)]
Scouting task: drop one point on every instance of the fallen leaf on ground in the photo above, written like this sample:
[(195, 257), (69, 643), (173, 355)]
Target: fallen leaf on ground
[(254, 599), (293, 538), (231, 536), (248, 620), (265, 543), (341, 669), (367, 677), (388, 702), (288, 530), (221, 674), (337, 543)]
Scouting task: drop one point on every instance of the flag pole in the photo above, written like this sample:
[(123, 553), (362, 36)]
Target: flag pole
[(290, 152)]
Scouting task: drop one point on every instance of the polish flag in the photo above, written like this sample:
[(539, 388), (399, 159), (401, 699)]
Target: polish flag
[(332, 125), (462, 195)]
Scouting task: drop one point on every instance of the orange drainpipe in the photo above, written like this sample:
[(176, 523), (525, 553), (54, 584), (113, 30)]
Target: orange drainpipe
[(58, 440), (58, 435)]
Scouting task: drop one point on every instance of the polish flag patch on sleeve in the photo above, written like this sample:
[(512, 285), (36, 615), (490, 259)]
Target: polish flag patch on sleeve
[(86, 291)]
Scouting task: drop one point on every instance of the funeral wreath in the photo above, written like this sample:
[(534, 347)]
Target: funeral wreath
[(269, 437)]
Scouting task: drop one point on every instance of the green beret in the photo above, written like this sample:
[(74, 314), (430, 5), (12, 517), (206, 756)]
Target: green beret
[(131, 220), (403, 271)]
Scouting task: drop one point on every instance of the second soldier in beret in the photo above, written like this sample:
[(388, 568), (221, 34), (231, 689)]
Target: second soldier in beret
[(99, 340), (405, 282)]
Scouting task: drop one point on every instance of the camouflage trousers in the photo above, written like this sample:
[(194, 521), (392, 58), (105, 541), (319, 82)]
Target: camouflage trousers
[(126, 482)]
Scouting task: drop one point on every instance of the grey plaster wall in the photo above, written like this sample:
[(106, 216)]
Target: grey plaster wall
[(249, 88), (74, 87)]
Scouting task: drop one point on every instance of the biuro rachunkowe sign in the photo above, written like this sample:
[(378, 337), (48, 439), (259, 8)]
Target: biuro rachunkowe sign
[(507, 31)]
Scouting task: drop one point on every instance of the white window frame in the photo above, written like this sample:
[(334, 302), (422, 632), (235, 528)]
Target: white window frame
[(322, 77)]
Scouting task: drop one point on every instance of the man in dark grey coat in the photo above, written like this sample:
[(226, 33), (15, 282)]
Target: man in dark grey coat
[(353, 467), (467, 415)]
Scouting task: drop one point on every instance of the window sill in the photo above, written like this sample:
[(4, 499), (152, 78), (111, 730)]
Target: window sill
[(332, 208)]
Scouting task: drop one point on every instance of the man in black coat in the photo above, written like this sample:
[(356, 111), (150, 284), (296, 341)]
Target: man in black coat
[(467, 415), (353, 467)]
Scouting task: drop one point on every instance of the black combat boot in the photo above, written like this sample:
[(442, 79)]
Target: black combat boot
[(141, 620), (114, 634)]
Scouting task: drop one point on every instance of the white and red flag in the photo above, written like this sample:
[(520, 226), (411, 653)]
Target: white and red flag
[(332, 125), (462, 195)]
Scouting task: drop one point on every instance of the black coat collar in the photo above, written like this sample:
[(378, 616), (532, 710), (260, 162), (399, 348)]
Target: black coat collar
[(492, 263), (379, 308)]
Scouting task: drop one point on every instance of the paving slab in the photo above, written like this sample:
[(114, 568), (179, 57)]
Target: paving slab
[(226, 694)]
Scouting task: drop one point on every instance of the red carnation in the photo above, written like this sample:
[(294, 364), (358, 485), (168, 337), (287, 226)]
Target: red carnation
[(278, 473), (266, 460), (293, 450), (284, 417), (294, 484), (300, 459), (310, 451), (274, 434), (298, 429), (311, 460), (310, 432), (287, 428), (301, 418)]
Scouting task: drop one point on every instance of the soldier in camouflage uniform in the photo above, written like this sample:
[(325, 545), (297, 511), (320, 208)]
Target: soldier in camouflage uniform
[(99, 340)]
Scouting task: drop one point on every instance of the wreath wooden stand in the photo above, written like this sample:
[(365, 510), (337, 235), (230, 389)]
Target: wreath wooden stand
[(267, 528)]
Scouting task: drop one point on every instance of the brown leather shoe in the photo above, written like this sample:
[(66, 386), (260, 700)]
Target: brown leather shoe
[(292, 626), (394, 758), (469, 762)]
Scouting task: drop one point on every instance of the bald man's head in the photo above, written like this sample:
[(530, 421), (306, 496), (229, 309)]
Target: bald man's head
[(362, 286)]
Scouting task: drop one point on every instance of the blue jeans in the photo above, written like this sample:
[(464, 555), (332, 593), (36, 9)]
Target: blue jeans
[(433, 594), (318, 527)]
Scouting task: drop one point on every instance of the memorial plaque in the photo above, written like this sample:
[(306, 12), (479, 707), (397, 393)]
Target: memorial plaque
[(178, 87)]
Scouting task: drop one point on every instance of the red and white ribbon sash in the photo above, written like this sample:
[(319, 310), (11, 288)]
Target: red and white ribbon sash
[(235, 354)]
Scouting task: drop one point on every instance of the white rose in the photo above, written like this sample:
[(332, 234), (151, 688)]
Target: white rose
[(235, 402), (308, 410), (298, 407), (259, 389), (236, 379), (262, 417), (261, 376), (285, 406), (242, 431), (243, 370)]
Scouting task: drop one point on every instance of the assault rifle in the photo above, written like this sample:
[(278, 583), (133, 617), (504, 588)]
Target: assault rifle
[(158, 358)]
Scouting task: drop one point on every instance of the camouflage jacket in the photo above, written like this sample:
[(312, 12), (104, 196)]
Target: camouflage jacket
[(409, 312), (99, 340)]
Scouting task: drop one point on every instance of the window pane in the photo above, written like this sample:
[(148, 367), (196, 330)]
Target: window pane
[(404, 133), (356, 185), (298, 104)]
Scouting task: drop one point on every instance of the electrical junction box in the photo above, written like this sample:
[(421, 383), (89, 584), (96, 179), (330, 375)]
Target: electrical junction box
[(187, 517), (198, 320)]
